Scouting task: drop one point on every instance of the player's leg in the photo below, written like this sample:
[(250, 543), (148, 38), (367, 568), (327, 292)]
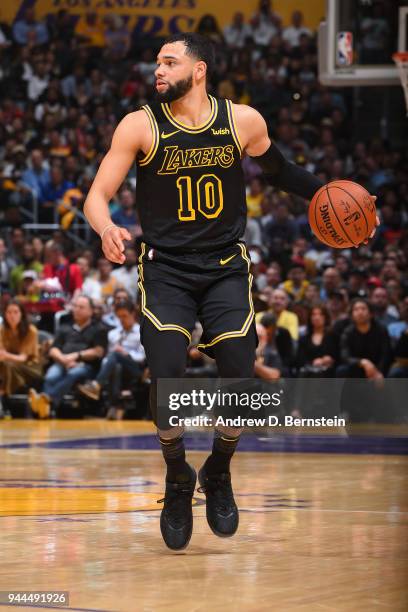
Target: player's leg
[(235, 358), (230, 337), (166, 353)]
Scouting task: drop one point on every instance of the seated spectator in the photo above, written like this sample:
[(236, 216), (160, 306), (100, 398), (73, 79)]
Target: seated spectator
[(262, 31), (273, 275), (70, 86), (119, 295), (19, 351), (125, 359), (397, 328), (106, 279), (381, 307), (399, 368), (29, 291), (125, 215), (292, 33), (52, 192), (316, 351), (29, 263), (266, 13), (117, 38), (127, 274), (274, 356), (331, 281), (281, 227), (28, 31), (90, 286), (37, 175), (254, 196), (296, 284), (208, 26), (311, 295), (302, 308), (364, 346), (237, 32), (38, 247), (89, 30), (17, 241), (70, 204), (37, 79), (252, 236), (277, 305), (7, 264), (76, 352), (58, 266)]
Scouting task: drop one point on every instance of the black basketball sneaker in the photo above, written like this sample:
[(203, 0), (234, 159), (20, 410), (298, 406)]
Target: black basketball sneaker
[(176, 519), (221, 509)]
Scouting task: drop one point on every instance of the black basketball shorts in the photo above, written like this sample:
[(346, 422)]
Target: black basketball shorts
[(213, 288)]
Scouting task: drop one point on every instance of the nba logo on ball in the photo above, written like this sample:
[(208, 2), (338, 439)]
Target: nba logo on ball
[(344, 49)]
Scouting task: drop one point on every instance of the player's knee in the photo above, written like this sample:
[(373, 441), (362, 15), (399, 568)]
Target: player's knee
[(236, 357)]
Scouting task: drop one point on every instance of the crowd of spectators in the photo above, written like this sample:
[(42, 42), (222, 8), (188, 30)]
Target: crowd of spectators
[(64, 85)]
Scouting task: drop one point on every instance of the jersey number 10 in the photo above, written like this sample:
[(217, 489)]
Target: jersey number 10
[(210, 199)]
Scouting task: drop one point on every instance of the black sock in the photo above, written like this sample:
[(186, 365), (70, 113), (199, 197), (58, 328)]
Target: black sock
[(175, 457), (223, 449)]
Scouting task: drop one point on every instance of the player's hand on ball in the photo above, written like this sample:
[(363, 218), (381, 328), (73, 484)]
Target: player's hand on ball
[(112, 243), (377, 222)]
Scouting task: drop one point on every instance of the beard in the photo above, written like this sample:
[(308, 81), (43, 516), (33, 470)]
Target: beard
[(176, 91)]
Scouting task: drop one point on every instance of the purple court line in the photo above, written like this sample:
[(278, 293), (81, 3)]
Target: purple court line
[(282, 443)]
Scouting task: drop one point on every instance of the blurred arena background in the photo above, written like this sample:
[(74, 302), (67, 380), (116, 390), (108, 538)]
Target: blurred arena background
[(322, 75), (323, 512)]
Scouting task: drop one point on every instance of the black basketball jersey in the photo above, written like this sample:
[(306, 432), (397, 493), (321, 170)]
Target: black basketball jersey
[(190, 189)]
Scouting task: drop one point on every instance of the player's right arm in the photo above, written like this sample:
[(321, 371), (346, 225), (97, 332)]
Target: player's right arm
[(133, 134)]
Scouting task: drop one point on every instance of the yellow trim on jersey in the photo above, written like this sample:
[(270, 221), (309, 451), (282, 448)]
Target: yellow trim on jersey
[(233, 126), (148, 313), (155, 133), (189, 128), (248, 321)]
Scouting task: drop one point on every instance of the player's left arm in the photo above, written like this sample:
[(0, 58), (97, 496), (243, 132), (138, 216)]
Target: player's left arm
[(278, 171)]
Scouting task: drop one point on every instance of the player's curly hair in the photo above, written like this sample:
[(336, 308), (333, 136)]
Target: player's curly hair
[(197, 46)]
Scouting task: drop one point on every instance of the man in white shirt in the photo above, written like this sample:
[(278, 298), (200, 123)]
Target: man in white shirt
[(90, 286), (293, 33), (237, 32), (125, 356), (263, 31)]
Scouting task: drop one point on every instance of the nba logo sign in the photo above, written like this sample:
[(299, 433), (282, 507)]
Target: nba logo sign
[(344, 48)]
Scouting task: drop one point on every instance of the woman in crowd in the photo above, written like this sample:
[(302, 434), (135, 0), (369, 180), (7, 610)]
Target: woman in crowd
[(19, 351), (316, 349)]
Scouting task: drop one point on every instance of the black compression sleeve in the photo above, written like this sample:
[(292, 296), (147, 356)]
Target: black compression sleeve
[(289, 177)]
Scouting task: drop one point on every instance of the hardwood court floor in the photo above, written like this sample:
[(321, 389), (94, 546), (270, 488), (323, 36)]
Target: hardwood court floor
[(318, 531)]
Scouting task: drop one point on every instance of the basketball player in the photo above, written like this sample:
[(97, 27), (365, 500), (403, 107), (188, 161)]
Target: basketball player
[(191, 199)]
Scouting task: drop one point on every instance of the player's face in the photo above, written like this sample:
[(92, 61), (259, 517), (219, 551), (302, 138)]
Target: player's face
[(174, 72)]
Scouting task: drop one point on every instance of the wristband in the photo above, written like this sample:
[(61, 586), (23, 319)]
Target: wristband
[(106, 228)]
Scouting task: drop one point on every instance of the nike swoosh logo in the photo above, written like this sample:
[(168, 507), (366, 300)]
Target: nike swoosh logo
[(224, 261), (163, 135)]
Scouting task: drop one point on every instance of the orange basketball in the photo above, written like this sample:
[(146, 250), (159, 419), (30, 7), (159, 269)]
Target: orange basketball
[(342, 214)]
